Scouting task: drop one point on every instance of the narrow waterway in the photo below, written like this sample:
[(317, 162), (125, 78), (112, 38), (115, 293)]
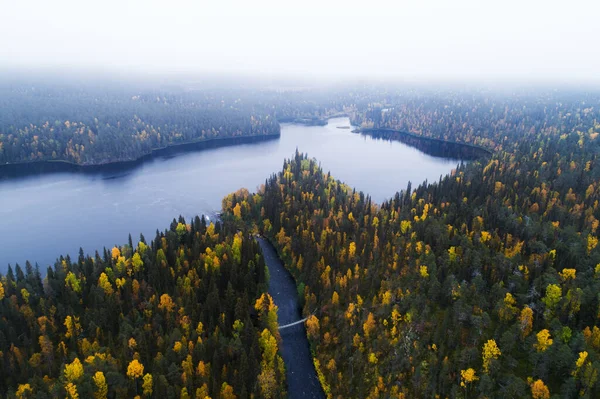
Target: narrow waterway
[(300, 372)]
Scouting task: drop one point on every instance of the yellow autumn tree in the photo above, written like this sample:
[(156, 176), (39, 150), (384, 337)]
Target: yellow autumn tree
[(539, 390), (543, 340), (267, 382), (268, 346), (177, 346), (592, 242), (135, 369), (142, 247), (490, 352), (105, 284), (236, 248), (369, 325), (24, 391), (202, 369), (579, 363), (73, 282), (202, 392), (199, 328), (73, 326), (568, 274), (1, 290), (132, 343), (351, 250), (386, 298), (312, 326), (335, 298), (147, 385), (237, 211), (101, 386), (508, 310), (227, 391), (25, 295), (467, 376), (552, 297), (166, 303), (373, 358), (405, 226), (71, 391), (73, 371), (137, 263)]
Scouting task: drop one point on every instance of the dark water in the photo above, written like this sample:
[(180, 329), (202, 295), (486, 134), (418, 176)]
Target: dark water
[(45, 215), (300, 372)]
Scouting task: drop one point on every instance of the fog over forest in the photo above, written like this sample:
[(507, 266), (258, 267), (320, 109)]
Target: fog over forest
[(463, 40)]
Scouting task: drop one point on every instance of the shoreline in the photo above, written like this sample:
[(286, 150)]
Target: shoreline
[(429, 145), (57, 165), (413, 140), (312, 122)]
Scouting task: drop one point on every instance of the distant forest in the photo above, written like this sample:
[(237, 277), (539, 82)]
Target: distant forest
[(90, 125)]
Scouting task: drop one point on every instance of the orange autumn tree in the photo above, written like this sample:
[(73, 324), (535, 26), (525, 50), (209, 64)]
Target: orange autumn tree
[(539, 390)]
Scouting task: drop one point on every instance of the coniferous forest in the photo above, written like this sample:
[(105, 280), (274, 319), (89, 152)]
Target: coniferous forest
[(484, 283), (185, 315), (299, 200)]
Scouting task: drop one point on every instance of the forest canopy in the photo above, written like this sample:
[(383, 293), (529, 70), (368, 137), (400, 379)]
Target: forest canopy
[(186, 315), (482, 284)]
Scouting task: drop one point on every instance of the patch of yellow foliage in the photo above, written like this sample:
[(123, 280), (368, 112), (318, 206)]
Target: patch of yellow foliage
[(135, 369), (467, 376), (543, 341)]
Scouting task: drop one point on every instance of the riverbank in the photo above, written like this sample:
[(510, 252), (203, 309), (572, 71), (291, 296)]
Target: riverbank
[(300, 371)]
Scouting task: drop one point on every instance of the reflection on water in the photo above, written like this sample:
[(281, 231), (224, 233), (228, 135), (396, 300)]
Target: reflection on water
[(44, 215)]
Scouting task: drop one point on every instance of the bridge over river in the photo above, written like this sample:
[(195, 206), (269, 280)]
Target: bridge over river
[(300, 371)]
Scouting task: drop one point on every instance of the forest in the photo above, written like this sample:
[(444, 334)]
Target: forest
[(186, 315), (89, 124), (483, 284)]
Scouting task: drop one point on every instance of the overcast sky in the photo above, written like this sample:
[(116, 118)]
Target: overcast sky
[(452, 39)]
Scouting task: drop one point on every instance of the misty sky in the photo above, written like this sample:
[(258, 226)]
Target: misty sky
[(458, 39)]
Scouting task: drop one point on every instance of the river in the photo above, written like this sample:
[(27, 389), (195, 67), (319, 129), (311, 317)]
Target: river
[(45, 215), (299, 369)]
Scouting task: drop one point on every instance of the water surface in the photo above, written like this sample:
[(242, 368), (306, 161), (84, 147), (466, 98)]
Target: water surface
[(300, 373), (45, 215)]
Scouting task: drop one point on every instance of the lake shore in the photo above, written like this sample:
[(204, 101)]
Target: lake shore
[(312, 121), (59, 165), (429, 145)]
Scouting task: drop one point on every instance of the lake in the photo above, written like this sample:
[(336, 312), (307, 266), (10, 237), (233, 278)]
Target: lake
[(46, 215)]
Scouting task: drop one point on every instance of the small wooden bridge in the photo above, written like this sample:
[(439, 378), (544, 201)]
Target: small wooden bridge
[(293, 324)]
